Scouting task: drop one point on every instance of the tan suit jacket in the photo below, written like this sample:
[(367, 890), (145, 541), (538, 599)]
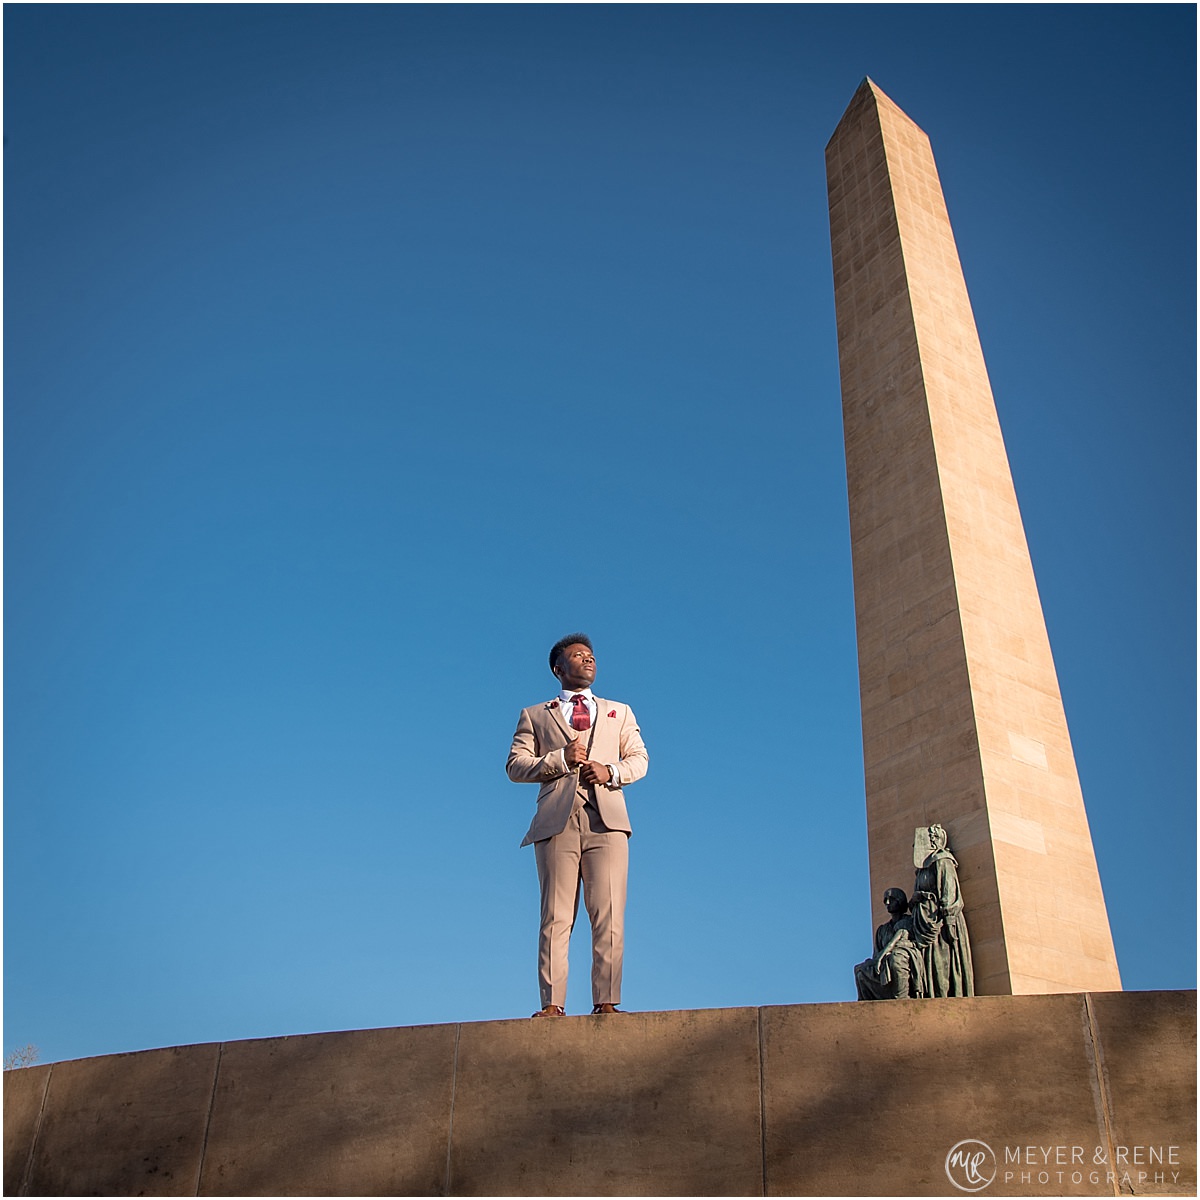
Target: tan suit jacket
[(536, 757)]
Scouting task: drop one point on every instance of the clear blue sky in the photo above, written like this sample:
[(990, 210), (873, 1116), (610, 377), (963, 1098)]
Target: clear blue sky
[(354, 354)]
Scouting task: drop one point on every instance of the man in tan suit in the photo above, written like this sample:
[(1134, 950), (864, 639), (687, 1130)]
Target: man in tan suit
[(582, 750)]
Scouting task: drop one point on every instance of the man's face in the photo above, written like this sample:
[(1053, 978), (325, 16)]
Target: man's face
[(576, 667)]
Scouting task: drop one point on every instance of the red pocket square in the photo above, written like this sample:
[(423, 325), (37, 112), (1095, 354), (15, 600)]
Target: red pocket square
[(613, 713)]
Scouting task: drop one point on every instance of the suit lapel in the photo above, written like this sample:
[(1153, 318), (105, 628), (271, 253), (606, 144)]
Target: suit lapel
[(560, 721), (603, 735)]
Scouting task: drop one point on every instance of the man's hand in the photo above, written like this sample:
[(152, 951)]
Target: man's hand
[(574, 753), (594, 772)]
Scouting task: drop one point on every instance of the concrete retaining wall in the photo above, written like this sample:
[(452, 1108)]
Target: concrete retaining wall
[(1071, 1094)]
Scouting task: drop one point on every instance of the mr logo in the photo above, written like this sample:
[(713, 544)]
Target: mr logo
[(971, 1165)]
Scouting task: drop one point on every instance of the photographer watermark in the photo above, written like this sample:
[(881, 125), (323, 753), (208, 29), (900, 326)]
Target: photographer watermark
[(972, 1165)]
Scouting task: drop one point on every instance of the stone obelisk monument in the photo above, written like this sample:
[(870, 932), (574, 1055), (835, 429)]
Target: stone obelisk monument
[(963, 722)]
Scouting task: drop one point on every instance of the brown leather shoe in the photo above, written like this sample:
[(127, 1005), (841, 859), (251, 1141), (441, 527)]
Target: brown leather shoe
[(602, 1010), (551, 1010)]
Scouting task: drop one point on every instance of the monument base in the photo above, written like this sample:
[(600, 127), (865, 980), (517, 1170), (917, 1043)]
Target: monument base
[(1074, 1094)]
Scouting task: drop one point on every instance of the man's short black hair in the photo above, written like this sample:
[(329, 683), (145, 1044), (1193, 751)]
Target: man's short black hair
[(564, 642)]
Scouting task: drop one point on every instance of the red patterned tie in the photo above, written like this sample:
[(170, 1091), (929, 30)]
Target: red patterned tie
[(580, 718)]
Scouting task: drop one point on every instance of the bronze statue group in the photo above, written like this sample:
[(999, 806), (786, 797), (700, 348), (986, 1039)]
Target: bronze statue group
[(923, 949)]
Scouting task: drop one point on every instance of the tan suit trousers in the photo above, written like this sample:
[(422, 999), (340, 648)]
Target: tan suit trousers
[(586, 852)]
